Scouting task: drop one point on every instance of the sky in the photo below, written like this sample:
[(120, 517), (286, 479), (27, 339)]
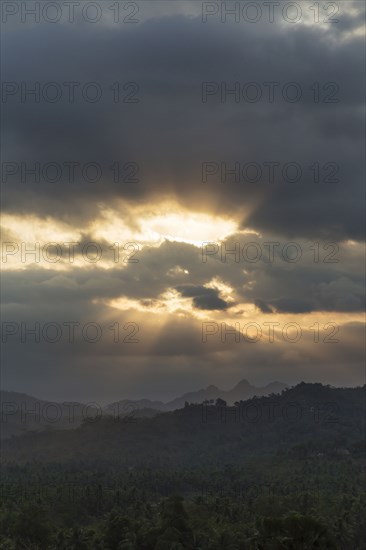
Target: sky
[(183, 196)]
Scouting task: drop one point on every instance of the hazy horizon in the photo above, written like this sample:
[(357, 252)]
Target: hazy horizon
[(166, 397)]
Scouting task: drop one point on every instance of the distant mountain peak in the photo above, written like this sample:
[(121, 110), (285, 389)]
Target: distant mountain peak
[(243, 384)]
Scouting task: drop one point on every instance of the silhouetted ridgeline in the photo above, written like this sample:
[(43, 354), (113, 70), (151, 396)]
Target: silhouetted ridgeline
[(21, 412), (308, 420)]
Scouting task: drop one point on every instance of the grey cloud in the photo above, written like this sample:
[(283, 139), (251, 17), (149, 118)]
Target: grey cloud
[(170, 132), (292, 305), (263, 306), (203, 298), (326, 286)]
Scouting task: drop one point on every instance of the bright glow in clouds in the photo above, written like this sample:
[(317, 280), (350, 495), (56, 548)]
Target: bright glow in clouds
[(168, 302), (164, 223), (145, 227), (32, 229)]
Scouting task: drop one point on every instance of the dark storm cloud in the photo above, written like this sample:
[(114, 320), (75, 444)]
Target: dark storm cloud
[(324, 291), (332, 281), (170, 132), (292, 305), (262, 306), (203, 298)]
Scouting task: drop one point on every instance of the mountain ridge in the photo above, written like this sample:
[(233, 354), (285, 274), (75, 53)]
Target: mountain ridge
[(242, 390), (21, 412)]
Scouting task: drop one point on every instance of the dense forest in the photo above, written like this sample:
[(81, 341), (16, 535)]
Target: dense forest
[(284, 471)]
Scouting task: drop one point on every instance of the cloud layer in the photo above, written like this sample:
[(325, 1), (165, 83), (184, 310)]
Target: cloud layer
[(231, 134)]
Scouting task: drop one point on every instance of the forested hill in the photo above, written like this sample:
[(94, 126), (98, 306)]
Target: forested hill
[(308, 420)]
